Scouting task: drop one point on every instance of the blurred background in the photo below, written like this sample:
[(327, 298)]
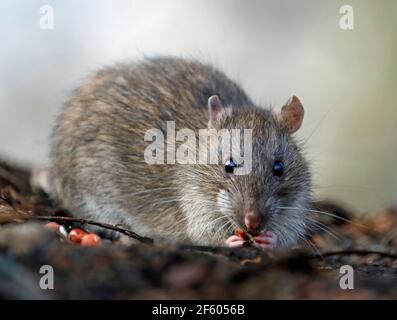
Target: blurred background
[(346, 79)]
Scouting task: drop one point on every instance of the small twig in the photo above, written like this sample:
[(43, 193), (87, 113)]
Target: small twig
[(354, 252), (126, 232), (315, 256)]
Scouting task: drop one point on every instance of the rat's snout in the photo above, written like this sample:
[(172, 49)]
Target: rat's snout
[(252, 220)]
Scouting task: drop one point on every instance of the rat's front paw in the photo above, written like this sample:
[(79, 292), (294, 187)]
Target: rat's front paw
[(267, 240), (235, 241)]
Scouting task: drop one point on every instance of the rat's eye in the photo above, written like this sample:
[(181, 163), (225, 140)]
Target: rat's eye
[(278, 168), (230, 165)]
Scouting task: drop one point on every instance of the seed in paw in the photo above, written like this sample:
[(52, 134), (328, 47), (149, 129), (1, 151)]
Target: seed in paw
[(76, 235), (241, 233), (52, 226), (91, 240)]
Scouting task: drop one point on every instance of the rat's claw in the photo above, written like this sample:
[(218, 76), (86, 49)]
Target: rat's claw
[(267, 240), (235, 241)]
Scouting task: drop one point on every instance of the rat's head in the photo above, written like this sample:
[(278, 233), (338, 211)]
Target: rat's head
[(272, 195)]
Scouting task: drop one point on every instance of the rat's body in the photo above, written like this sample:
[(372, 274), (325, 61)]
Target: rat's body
[(99, 171)]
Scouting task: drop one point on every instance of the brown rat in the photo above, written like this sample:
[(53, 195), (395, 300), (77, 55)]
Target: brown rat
[(99, 170)]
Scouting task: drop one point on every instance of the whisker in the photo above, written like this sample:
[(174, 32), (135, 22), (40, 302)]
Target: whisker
[(312, 245), (323, 227), (325, 213), (208, 226)]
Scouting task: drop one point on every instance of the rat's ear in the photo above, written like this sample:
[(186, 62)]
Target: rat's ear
[(214, 108), (291, 114)]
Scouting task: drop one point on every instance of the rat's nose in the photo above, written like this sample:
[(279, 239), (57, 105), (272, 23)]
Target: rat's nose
[(252, 220)]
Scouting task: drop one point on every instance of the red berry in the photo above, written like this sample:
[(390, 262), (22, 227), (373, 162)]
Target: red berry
[(76, 235), (90, 240), (241, 233), (52, 226)]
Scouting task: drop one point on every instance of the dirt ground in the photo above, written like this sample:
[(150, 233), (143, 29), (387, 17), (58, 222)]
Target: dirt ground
[(150, 271)]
